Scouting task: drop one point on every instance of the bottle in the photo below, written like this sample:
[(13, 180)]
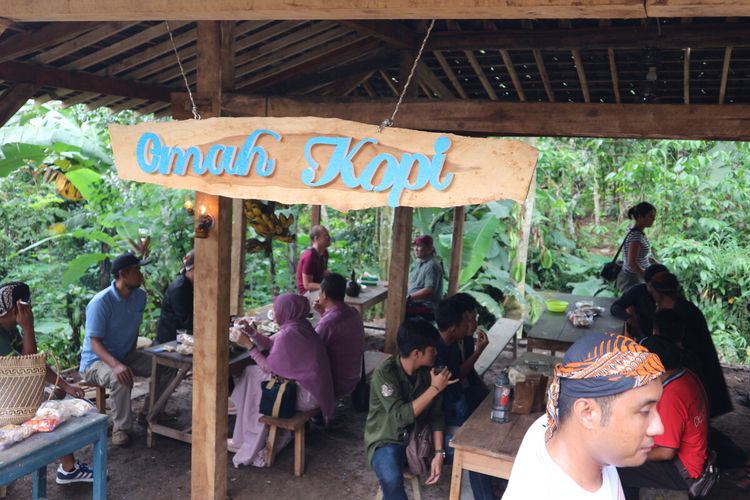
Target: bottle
[(501, 398), (353, 288)]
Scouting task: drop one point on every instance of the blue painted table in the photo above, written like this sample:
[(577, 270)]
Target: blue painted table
[(32, 455)]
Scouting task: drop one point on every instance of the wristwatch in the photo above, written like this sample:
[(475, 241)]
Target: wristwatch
[(440, 452)]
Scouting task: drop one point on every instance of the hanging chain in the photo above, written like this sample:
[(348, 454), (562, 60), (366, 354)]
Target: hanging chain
[(388, 122), (194, 109)]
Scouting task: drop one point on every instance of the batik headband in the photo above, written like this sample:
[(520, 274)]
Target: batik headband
[(600, 365), (10, 293)]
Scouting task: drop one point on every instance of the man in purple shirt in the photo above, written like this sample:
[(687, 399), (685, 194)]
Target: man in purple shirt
[(313, 263), (343, 333)]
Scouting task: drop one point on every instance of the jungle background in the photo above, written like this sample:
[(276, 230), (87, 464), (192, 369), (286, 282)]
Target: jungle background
[(65, 214)]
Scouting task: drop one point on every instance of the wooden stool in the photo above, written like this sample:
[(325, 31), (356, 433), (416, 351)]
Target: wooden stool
[(295, 424), (101, 396), (415, 489)]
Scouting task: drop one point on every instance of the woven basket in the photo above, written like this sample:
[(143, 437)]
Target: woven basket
[(21, 387)]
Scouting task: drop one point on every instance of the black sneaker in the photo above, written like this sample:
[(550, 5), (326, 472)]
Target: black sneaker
[(81, 474)]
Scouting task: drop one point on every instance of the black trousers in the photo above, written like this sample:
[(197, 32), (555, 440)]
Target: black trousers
[(664, 475)]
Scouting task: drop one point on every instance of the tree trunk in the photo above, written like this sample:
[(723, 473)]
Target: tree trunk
[(595, 187), (385, 216)]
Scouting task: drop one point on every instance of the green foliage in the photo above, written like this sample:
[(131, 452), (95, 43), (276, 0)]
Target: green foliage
[(702, 193)]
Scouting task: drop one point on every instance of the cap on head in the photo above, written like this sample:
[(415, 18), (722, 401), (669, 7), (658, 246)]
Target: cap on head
[(424, 240), (124, 261)]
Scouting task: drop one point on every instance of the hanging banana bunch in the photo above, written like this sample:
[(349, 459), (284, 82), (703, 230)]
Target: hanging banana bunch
[(267, 224), (64, 187)]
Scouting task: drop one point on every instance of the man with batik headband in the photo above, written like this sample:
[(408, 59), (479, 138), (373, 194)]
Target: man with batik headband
[(601, 414), (15, 311)]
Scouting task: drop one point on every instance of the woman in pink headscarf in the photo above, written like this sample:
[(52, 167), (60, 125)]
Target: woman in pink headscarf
[(296, 353)]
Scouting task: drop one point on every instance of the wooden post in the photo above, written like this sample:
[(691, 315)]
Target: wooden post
[(315, 216), (237, 273), (457, 245), (398, 275), (211, 321)]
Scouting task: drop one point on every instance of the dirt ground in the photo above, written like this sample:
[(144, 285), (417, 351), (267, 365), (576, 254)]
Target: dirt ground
[(335, 460)]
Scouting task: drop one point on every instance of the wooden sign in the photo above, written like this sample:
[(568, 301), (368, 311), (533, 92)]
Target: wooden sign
[(323, 161)]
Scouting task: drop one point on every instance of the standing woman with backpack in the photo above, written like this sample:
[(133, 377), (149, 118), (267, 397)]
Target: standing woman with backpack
[(636, 249)]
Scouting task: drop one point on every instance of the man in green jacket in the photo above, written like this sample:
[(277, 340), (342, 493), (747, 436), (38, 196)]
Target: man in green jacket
[(405, 390)]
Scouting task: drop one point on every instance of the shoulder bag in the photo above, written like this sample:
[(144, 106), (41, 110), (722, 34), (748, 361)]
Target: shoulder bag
[(611, 269), (699, 487), (278, 397), (419, 449)]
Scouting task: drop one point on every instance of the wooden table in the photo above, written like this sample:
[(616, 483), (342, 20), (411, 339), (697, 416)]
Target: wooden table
[(160, 360), (553, 331), (368, 297), (487, 447), (32, 455)]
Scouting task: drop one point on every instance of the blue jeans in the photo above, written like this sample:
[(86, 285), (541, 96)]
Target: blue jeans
[(388, 462)]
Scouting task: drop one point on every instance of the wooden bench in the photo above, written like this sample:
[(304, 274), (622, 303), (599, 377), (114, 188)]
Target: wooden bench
[(415, 488), (503, 332), (295, 424), (101, 396)]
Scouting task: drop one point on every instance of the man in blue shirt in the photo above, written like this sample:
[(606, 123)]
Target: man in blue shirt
[(109, 356)]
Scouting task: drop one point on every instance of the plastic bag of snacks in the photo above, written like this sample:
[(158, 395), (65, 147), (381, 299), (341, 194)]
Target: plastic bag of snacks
[(47, 424), (12, 434)]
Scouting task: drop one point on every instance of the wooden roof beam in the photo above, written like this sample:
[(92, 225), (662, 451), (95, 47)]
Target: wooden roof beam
[(581, 74), (725, 74), (271, 54), (696, 8), (543, 74), (450, 74), (346, 86), (23, 44), (13, 98), (375, 61), (656, 121), (308, 63), (480, 74), (388, 82), (677, 36), (123, 45), (432, 82), (107, 10), (393, 33), (508, 62), (478, 71), (613, 73), (74, 80), (104, 31)]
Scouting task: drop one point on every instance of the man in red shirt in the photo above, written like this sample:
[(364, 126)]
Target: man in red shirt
[(313, 264), (679, 455)]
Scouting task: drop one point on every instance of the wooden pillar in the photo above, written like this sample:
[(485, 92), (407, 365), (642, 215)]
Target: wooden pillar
[(315, 216), (513, 308), (211, 321), (398, 275), (237, 268), (398, 272), (457, 245)]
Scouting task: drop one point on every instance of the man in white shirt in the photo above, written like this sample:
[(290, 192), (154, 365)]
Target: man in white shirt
[(601, 414)]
